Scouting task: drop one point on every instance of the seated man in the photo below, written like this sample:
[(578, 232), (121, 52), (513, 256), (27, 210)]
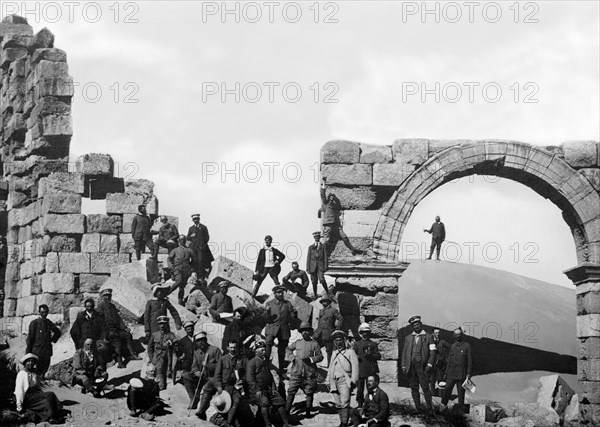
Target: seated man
[(221, 302), (88, 370), (375, 412), (143, 398), (296, 280)]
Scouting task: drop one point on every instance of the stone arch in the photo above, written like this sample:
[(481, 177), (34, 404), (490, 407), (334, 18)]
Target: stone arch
[(542, 170)]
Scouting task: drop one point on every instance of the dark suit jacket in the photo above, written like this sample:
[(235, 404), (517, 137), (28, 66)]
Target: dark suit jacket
[(199, 244), (438, 231), (378, 408), (330, 319), (367, 359), (316, 259), (185, 347), (260, 261), (460, 361), (258, 375), (282, 314), (214, 354), (427, 351), (140, 228), (225, 370), (42, 333), (83, 328), (82, 365)]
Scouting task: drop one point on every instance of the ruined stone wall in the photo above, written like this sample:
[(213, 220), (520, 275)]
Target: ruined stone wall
[(56, 254)]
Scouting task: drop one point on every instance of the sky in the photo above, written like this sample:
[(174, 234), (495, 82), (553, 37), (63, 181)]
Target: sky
[(225, 107)]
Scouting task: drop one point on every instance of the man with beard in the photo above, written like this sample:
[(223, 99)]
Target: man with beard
[(185, 355), (198, 237), (87, 369), (303, 368), (230, 376), (458, 369), (280, 314), (342, 376), (438, 235), (375, 412), (262, 386), (329, 320), (204, 365), (220, 302), (268, 263), (181, 260), (439, 367), (90, 324), (418, 356), (237, 331), (368, 355), (117, 332), (296, 280), (42, 333)]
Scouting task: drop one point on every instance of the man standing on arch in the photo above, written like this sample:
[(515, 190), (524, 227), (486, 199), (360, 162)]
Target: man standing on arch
[(438, 235)]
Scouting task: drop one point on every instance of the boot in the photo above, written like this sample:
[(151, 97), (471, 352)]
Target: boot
[(309, 404), (428, 402), (417, 399), (352, 248), (204, 404), (266, 418), (345, 416), (132, 353), (284, 416), (288, 403)]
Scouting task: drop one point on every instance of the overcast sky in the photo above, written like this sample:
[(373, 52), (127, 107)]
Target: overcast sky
[(366, 65)]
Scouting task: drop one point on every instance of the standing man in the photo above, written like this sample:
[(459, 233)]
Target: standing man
[(330, 319), (438, 235), (42, 333), (160, 350), (230, 376), (90, 324), (140, 231), (181, 260), (303, 368), (342, 376), (459, 368), (262, 386), (316, 263), (157, 307), (87, 369), (439, 367), (418, 356), (376, 410), (198, 237), (204, 365), (368, 355), (220, 302), (268, 263), (185, 355), (117, 332), (296, 280), (167, 236), (280, 314), (238, 331)]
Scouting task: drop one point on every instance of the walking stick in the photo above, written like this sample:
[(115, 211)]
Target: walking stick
[(198, 386)]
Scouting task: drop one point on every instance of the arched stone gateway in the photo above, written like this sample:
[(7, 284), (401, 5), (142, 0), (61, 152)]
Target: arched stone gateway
[(379, 186)]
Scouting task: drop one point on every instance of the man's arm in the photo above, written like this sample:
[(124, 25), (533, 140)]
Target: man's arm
[(384, 407), (211, 362), (31, 337), (375, 354), (289, 351), (305, 281), (219, 374), (134, 226), (175, 315), (432, 351), (147, 318), (354, 364), (318, 356), (338, 319), (77, 366), (443, 232), (469, 361), (251, 376), (56, 333), (279, 256)]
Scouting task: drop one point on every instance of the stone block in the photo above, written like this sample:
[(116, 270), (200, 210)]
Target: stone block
[(48, 54), (571, 413), (56, 318), (152, 205), (52, 262), (554, 393), (593, 176), (588, 370), (531, 413), (123, 203), (26, 306), (57, 125), (59, 303), (388, 371), (73, 312), (392, 174), (92, 282), (388, 348), (63, 224), (355, 197), (90, 242), (486, 413), (146, 268), (49, 69), (126, 244), (588, 325), (367, 285), (383, 326), (225, 269), (586, 347), (410, 151), (94, 164), (64, 182), (590, 390), (54, 86), (580, 154), (107, 224), (24, 216), (61, 243), (127, 220), (58, 283), (375, 154), (360, 223), (61, 203), (11, 54), (98, 188), (588, 303), (10, 325), (104, 263), (25, 288), (340, 152), (74, 262), (356, 174), (142, 187), (109, 243)]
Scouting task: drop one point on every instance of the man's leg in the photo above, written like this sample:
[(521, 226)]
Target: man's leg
[(431, 248), (309, 390), (86, 382), (355, 417), (190, 382), (360, 391), (274, 276), (448, 391), (128, 339), (261, 277), (438, 247), (151, 247), (208, 391), (236, 398), (424, 383), (432, 380), (161, 372), (461, 394), (160, 243), (295, 382), (329, 350), (315, 280), (43, 364), (281, 346), (139, 248), (322, 280), (414, 386), (344, 390), (279, 403)]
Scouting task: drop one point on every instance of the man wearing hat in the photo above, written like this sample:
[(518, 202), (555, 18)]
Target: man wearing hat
[(181, 259), (296, 280), (141, 234), (230, 380), (268, 263), (117, 332), (368, 355), (198, 237), (316, 263), (185, 355), (87, 369), (158, 306), (280, 313), (143, 399), (262, 386), (330, 319), (160, 350), (342, 375), (220, 302), (204, 364), (418, 356), (42, 333), (303, 367), (459, 368)]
